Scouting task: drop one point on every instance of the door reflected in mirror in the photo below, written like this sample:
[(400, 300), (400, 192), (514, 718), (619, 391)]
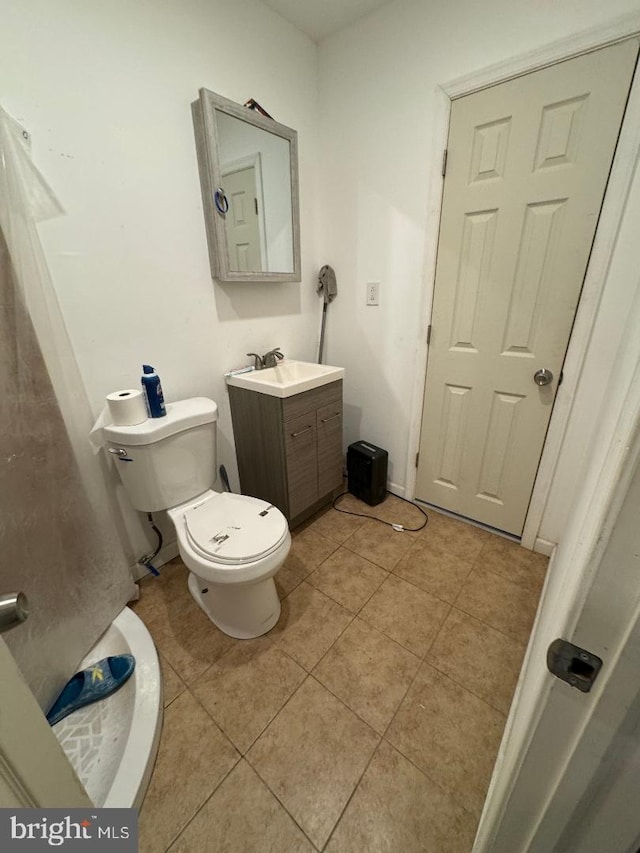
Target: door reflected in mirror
[(256, 179), (248, 174)]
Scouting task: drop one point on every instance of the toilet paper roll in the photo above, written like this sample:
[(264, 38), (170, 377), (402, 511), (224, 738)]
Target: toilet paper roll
[(127, 408)]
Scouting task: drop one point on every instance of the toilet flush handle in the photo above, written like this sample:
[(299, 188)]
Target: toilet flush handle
[(118, 451)]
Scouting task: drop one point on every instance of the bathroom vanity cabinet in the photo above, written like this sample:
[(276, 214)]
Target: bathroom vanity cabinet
[(289, 450)]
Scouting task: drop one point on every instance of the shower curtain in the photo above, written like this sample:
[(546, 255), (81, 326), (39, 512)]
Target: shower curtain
[(58, 535)]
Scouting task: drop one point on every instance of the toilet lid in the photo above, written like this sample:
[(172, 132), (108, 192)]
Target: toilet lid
[(235, 528)]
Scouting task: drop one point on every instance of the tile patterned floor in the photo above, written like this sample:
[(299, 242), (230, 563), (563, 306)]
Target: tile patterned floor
[(368, 719)]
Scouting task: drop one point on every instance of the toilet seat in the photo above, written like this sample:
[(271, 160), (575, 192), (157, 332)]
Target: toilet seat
[(234, 529), (231, 539)]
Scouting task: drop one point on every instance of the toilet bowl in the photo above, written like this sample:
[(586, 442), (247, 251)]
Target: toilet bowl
[(232, 544)]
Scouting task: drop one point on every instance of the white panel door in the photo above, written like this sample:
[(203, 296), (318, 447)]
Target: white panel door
[(243, 232), (527, 169)]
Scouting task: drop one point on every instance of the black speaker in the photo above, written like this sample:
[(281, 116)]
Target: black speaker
[(367, 472)]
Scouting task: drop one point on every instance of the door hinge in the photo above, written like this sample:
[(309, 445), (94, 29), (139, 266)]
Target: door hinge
[(445, 154), (256, 203), (570, 663), (560, 378), (428, 334), (417, 458)]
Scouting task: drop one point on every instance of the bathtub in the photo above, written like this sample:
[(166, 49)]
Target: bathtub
[(113, 743)]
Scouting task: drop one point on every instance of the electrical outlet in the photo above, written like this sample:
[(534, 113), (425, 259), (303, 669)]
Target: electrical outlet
[(373, 293)]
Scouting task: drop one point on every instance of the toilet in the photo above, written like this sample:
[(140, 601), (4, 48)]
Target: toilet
[(232, 544)]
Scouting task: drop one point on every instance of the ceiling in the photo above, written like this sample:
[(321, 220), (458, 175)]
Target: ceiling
[(320, 18)]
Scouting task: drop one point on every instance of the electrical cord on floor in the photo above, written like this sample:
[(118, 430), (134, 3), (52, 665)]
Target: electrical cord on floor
[(398, 527)]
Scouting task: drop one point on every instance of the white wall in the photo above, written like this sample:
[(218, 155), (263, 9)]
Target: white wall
[(378, 81), (105, 90)]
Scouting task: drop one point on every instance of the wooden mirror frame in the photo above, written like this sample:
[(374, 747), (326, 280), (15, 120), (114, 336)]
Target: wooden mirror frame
[(208, 151)]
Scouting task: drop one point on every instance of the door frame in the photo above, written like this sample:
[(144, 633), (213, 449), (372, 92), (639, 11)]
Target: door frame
[(34, 770), (619, 29)]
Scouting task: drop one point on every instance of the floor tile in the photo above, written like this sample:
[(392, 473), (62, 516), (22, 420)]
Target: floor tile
[(397, 809), (312, 756), (369, 672), (455, 537), (450, 734), (308, 550), (289, 576), (154, 592), (478, 657), (335, 525), (242, 816), (429, 566), (398, 511), (309, 624), (379, 544), (405, 613), (312, 547), (194, 757), (347, 578), (182, 632), (353, 504), (310, 738), (503, 604), (172, 684), (245, 689), (513, 562)]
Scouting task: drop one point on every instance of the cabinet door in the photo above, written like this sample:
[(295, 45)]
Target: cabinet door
[(302, 468), (329, 425)]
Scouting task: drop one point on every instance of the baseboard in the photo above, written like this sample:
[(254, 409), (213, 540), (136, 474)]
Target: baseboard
[(396, 489), (167, 553), (543, 546)]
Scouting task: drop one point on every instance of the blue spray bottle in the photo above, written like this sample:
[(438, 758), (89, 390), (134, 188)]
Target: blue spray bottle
[(153, 392)]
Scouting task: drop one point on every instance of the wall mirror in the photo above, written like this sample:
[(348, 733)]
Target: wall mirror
[(249, 178)]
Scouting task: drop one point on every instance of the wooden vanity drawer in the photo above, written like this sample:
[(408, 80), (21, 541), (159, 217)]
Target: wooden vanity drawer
[(309, 401)]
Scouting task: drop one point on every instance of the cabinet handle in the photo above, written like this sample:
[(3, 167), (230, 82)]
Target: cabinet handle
[(296, 434), (330, 418)]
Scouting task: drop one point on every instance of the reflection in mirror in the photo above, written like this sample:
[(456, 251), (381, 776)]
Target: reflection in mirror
[(248, 174), (256, 179)]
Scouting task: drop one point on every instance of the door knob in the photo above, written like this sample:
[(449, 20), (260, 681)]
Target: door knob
[(14, 609), (543, 376)]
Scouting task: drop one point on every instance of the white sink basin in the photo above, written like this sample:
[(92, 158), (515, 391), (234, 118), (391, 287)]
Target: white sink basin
[(288, 378)]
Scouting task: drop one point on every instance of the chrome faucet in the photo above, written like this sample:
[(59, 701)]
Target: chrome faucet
[(270, 359), (258, 361)]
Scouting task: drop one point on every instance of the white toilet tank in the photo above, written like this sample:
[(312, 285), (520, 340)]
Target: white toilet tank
[(166, 461)]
